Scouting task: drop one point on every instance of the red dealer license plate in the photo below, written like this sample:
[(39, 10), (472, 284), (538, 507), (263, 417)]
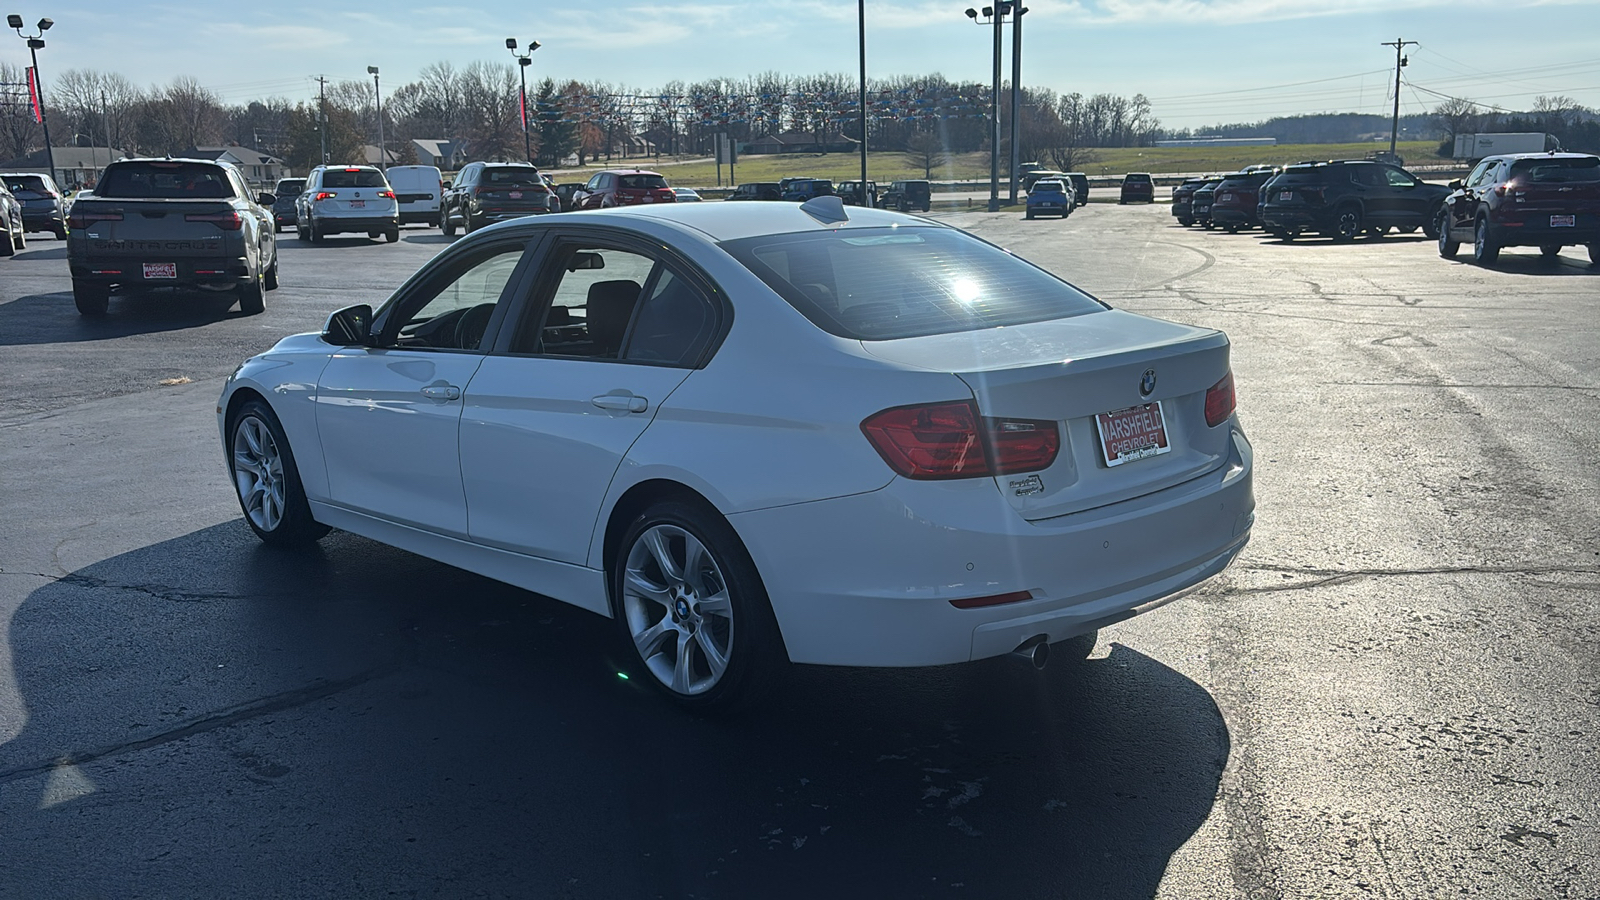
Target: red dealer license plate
[(1133, 433), (1563, 221), (1285, 195), (160, 270)]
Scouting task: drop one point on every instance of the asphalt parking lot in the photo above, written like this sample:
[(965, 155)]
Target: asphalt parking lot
[(1394, 693)]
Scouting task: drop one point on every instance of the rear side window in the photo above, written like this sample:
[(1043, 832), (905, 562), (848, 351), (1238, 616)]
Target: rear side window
[(358, 178), (1557, 171), (164, 180), (887, 283), (641, 182)]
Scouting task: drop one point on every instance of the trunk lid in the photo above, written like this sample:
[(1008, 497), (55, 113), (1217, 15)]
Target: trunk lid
[(140, 227), (1068, 371)]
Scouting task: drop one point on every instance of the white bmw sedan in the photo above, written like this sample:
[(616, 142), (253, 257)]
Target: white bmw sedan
[(760, 434)]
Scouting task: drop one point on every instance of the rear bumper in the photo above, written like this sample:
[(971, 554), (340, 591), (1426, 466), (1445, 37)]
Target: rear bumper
[(1534, 230), (223, 272), (1224, 216), (48, 219), (1293, 219), (345, 225), (885, 600)]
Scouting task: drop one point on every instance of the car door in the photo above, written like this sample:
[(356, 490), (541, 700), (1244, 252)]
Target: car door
[(1463, 204), (1409, 205), (615, 327), (389, 414)]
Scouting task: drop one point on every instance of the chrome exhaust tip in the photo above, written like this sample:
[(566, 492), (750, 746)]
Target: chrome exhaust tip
[(1036, 650)]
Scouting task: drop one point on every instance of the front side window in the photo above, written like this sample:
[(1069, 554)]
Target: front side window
[(454, 311), (1480, 174), (882, 284), (1398, 177)]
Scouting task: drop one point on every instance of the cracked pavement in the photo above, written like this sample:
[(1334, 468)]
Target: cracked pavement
[(1394, 693)]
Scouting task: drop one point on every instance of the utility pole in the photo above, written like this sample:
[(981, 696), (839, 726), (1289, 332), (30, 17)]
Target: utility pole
[(377, 97), (1399, 61), (1016, 95), (861, 24), (322, 115)]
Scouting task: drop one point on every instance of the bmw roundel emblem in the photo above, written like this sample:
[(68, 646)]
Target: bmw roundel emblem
[(1147, 384)]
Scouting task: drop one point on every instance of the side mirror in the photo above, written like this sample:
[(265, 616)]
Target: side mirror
[(349, 326), (1455, 184), (445, 183), (266, 199)]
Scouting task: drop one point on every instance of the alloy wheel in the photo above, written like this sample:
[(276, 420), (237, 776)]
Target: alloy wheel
[(678, 609), (258, 473)]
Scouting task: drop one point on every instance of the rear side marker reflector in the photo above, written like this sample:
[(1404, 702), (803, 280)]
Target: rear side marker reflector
[(995, 600)]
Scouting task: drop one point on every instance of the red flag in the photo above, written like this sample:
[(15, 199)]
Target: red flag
[(33, 94), (522, 104)]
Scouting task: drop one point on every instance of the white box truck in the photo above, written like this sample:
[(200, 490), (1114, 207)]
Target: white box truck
[(1477, 146)]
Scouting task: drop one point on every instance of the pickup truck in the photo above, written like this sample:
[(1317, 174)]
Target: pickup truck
[(189, 223)]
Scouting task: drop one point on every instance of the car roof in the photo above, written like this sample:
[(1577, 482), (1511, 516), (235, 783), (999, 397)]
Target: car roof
[(1545, 155), (733, 221), (627, 172)]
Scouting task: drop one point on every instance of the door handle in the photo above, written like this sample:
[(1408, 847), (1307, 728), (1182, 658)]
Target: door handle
[(442, 392), (623, 402)]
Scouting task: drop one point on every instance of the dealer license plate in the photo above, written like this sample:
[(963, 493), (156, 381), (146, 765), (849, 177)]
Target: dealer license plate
[(1285, 195), (1563, 221), (1131, 434), (516, 195), (358, 204), (1226, 197), (160, 270)]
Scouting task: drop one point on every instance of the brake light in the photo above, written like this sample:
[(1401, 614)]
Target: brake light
[(1220, 401), (228, 221), (325, 195), (352, 170), (386, 194), (82, 219), (950, 440)]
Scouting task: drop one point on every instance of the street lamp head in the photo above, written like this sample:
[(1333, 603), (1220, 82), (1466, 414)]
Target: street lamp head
[(988, 12), (524, 61), (511, 44), (35, 44), (14, 21), (44, 24), (972, 14), (534, 45), (372, 70)]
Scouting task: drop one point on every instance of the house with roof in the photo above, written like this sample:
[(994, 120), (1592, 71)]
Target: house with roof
[(446, 155), (75, 167), (259, 167)]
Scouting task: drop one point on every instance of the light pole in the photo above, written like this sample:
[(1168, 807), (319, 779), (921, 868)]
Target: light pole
[(1016, 95), (383, 156), (35, 44), (996, 15), (861, 20), (524, 60)]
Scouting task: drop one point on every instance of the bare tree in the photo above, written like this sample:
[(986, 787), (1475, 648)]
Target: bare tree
[(925, 150), (19, 133)]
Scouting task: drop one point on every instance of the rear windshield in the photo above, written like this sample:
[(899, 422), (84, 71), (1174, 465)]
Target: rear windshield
[(1245, 179), (26, 187), (511, 175), (886, 283), (1301, 176), (1049, 187), (1557, 171), (163, 180), (641, 182), (1137, 177), (291, 187), (357, 178)]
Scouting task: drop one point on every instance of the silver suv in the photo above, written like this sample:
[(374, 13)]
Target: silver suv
[(346, 199)]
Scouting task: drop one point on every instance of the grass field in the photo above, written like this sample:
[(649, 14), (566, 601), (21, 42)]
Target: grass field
[(886, 167)]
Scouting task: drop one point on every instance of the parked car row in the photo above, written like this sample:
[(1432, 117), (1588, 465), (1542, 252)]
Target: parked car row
[(1547, 200)]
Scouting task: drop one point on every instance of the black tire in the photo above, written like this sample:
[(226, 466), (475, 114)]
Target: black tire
[(293, 525), (372, 235), (1346, 223), (1409, 229), (1233, 229), (1028, 214), (927, 207), (252, 296), (1594, 254), (1376, 232), (1484, 248), (1447, 247), (392, 235), (8, 246), (1433, 224), (446, 224), (1549, 251), (60, 232), (1283, 234), (269, 280), (316, 233), (91, 299), (301, 232), (754, 657)]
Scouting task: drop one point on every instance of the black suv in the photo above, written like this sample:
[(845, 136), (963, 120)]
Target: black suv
[(286, 193), (757, 190), (484, 193), (908, 195), (803, 189), (852, 195), (1080, 186), (1344, 198)]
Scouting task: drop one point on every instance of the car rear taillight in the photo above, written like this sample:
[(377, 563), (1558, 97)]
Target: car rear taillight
[(1220, 401), (352, 170), (83, 219), (950, 440), (388, 195), (227, 221), (325, 195)]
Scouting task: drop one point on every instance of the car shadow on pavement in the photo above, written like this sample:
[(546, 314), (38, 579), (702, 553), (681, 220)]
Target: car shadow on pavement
[(53, 319), (210, 717), (35, 252), (1524, 263), (433, 238)]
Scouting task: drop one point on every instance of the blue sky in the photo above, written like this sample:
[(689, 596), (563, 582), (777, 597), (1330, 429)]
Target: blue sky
[(1200, 61)]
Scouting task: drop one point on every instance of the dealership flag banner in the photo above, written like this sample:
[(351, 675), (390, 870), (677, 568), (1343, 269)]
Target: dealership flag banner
[(33, 93)]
